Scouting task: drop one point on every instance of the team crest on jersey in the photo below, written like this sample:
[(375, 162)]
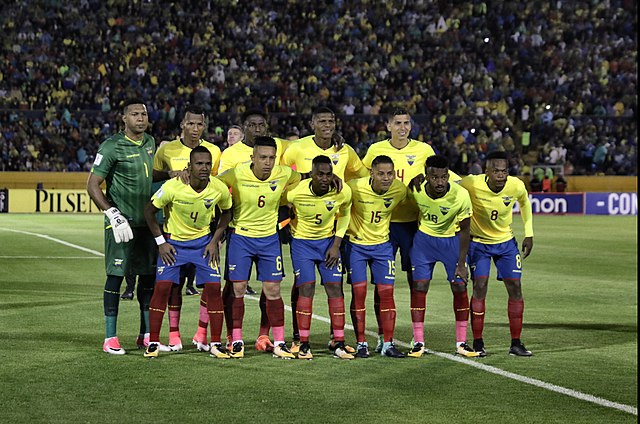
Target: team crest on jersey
[(150, 151), (273, 185), (330, 204), (410, 159), (444, 210), (335, 158), (208, 203), (507, 200), (118, 262), (160, 270), (388, 201)]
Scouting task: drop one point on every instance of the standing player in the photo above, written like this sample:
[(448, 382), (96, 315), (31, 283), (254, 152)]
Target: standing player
[(325, 141), (257, 189), (444, 208), (409, 157), (321, 218), (171, 161), (191, 210), (492, 196), (124, 161), (373, 200)]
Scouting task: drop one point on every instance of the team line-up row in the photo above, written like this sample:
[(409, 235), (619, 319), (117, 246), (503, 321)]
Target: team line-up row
[(343, 213)]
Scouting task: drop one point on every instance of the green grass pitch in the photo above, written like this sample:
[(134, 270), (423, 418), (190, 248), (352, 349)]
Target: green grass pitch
[(580, 288)]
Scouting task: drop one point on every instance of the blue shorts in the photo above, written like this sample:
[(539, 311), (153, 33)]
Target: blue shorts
[(427, 250), (264, 251), (401, 237), (306, 255), (189, 252), (505, 255), (379, 257)]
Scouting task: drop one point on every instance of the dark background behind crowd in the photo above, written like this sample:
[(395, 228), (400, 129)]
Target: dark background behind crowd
[(551, 83)]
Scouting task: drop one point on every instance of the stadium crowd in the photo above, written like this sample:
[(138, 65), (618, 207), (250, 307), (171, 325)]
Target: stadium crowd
[(547, 82)]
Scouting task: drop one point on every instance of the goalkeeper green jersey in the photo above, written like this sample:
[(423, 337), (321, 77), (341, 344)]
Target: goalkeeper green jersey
[(126, 165)]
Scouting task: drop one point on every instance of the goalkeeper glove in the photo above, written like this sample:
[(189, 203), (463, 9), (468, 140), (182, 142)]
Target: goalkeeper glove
[(120, 225)]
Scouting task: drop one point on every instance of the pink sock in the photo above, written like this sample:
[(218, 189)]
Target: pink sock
[(204, 316), (461, 331), (278, 333), (418, 332), (201, 333), (338, 334), (236, 334)]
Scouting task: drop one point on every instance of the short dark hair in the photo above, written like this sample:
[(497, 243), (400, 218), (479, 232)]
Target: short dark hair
[(396, 112), (496, 154), (131, 101), (322, 109), (199, 149), (437, 161), (193, 109), (252, 112), (381, 159), (321, 159), (264, 140)]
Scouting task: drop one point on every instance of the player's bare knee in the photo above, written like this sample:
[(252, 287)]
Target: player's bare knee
[(458, 287), (334, 290), (239, 288), (421, 286), (307, 290)]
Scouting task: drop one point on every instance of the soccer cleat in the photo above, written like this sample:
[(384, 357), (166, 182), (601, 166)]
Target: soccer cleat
[(518, 349), (362, 350), (380, 344), (217, 353), (333, 345), (389, 350), (282, 351), (263, 344), (143, 342), (152, 350), (417, 351), (305, 352), (465, 350), (191, 291), (250, 290), (201, 345), (112, 346), (340, 351), (175, 342), (237, 350), (478, 347), (295, 347), (127, 295)]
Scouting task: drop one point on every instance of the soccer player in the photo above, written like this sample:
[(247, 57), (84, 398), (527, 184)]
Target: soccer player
[(443, 236), (257, 189), (234, 135), (320, 220), (171, 161), (373, 200), (189, 241), (492, 196), (324, 141), (124, 161), (409, 157)]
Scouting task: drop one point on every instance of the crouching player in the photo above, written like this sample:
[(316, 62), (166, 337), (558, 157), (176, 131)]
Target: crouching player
[(188, 227), (444, 208), (317, 209)]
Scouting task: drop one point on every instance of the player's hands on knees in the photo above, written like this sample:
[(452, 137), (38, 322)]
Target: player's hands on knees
[(119, 225), (332, 257), (527, 246), (213, 253), (167, 254), (462, 273), (416, 182)]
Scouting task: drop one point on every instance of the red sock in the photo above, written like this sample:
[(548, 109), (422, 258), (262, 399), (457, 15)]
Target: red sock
[(461, 306), (387, 310), (295, 294), (303, 316), (275, 312), (515, 311), (215, 309), (477, 317), (358, 311), (336, 313), (264, 315), (237, 315), (418, 305), (376, 308), (157, 308)]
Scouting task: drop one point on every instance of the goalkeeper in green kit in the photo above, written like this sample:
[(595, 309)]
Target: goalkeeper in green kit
[(125, 162)]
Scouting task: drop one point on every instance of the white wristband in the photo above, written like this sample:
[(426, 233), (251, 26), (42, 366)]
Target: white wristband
[(111, 212), (160, 240)]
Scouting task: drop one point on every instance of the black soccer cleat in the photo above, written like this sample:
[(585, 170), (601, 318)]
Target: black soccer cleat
[(191, 291), (127, 295), (250, 290), (390, 351), (478, 346), (518, 349)]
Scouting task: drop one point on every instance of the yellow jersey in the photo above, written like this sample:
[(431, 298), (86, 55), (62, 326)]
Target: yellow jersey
[(441, 217), (174, 156), (240, 154)]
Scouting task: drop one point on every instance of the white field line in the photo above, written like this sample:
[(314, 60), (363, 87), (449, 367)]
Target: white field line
[(473, 363)]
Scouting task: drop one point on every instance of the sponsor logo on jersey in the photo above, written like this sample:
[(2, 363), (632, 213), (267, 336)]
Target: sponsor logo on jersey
[(273, 185), (330, 204), (410, 159), (159, 193), (387, 201)]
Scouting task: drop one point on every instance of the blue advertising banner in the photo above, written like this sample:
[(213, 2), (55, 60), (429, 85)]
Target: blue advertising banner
[(555, 203), (611, 204)]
